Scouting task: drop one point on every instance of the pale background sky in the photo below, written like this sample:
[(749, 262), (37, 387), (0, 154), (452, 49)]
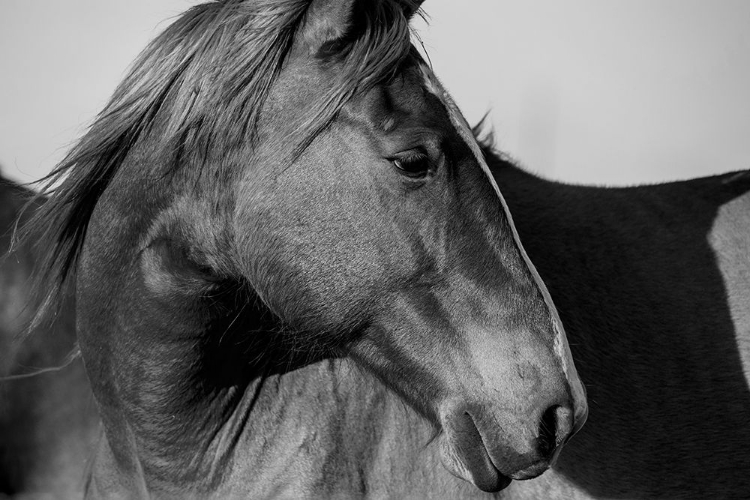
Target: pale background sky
[(602, 91)]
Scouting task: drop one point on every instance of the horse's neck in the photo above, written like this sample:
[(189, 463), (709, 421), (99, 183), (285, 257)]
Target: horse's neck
[(184, 409), (322, 429), (329, 430), (315, 432)]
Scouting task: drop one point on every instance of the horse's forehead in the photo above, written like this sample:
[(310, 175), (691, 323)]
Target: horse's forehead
[(433, 85)]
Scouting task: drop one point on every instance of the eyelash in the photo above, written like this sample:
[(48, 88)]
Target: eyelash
[(414, 164)]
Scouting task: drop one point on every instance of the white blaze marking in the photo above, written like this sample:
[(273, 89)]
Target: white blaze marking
[(561, 347)]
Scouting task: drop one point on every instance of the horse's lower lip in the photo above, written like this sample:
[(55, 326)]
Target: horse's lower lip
[(466, 455), (499, 482), (532, 471), (473, 465), (487, 479)]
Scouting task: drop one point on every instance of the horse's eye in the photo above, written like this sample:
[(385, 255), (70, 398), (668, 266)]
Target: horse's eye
[(415, 165)]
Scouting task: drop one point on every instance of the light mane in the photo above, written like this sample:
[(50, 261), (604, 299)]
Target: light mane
[(209, 74)]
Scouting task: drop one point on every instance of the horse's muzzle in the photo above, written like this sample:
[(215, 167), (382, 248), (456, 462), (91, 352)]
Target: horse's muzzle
[(489, 448)]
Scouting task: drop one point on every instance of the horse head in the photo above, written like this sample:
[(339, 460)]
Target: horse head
[(302, 157)]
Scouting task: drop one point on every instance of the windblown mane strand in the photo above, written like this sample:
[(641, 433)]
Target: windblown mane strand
[(208, 73)]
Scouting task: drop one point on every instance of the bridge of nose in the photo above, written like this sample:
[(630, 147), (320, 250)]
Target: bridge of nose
[(560, 343)]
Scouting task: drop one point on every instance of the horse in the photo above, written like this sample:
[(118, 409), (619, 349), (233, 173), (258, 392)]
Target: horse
[(293, 274), (651, 283), (653, 286)]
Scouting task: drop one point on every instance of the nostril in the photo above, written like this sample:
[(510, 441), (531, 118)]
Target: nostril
[(555, 427), (546, 442)]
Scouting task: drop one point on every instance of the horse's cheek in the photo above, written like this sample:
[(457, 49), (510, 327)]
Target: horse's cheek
[(307, 270)]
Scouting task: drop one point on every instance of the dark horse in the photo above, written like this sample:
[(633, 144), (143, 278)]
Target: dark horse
[(294, 274), (653, 286)]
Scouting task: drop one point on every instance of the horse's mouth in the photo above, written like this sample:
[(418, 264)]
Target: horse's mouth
[(465, 454), (473, 465)]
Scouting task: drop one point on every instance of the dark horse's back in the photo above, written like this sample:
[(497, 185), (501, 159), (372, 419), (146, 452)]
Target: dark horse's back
[(653, 286), (47, 417)]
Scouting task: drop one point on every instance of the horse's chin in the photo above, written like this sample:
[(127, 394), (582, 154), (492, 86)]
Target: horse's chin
[(472, 464), (465, 455)]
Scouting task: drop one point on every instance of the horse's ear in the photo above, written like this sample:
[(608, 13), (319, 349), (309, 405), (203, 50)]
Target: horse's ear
[(329, 23), (326, 22)]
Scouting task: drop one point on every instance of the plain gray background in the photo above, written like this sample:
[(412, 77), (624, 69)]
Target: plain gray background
[(602, 91)]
